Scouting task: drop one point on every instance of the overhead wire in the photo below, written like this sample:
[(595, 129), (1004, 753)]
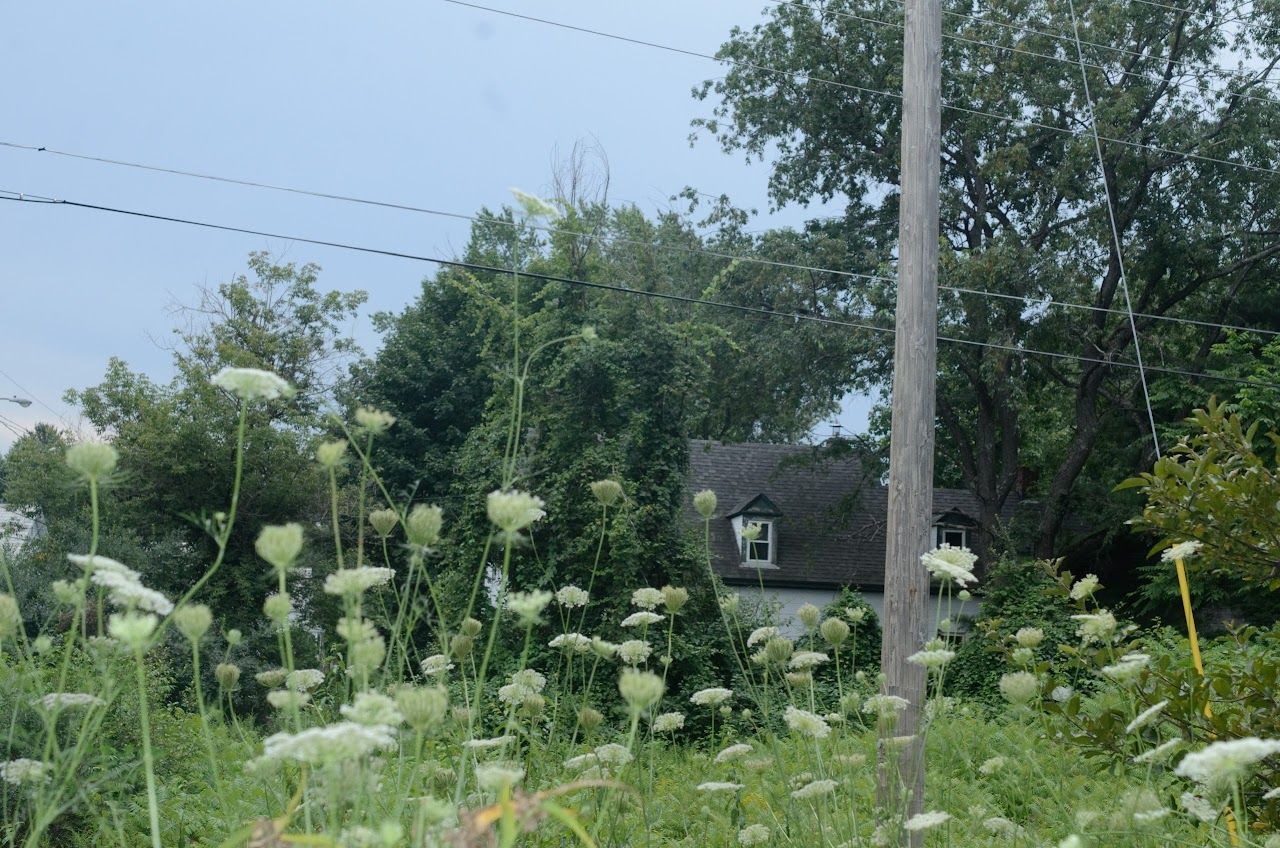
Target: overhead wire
[(1117, 243), (30, 394), (671, 296), (800, 75), (1181, 83), (1027, 301)]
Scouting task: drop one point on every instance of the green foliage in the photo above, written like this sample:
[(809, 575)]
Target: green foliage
[(1023, 215), (176, 440), (865, 636), (1016, 593), (1215, 488)]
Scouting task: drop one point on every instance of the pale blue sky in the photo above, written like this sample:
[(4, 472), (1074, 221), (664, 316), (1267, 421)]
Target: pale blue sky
[(426, 103)]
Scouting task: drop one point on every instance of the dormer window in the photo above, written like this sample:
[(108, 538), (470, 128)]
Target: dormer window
[(755, 526), (956, 537), (952, 528), (759, 549)]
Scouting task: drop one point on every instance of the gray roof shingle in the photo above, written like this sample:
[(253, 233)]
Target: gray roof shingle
[(832, 529)]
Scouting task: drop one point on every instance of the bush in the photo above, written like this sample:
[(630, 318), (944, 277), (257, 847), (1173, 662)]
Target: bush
[(1018, 593)]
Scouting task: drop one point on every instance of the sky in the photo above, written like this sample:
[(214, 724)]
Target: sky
[(430, 104)]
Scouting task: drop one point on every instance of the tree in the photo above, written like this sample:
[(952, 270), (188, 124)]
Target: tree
[(1187, 158), (177, 440)]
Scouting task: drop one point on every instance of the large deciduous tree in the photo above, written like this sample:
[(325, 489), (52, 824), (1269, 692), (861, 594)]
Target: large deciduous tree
[(1187, 118)]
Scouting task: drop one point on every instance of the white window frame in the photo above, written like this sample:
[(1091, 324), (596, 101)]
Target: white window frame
[(771, 542), (941, 531)]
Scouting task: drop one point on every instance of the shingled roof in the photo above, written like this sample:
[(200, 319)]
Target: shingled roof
[(831, 531)]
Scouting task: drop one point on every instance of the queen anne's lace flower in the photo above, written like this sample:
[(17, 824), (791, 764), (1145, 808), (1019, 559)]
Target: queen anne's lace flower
[(761, 634), (131, 628), (252, 383), (643, 618), (571, 597), (495, 777), (372, 708), (991, 765), (345, 740), (711, 697), (733, 752), (647, 598), (487, 744), (613, 754), (61, 700), (933, 659), (512, 511), (719, 786), (753, 834), (924, 821), (634, 651), (23, 770), (1182, 550), (304, 679), (1085, 587), (806, 723), (668, 723), (814, 789), (575, 642), (1158, 752), (1145, 717), (1220, 763), (1096, 627), (884, 706), (527, 606), (803, 660), (436, 664), (353, 582), (951, 565), (123, 584)]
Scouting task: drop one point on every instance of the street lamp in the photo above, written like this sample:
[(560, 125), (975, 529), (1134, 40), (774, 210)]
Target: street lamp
[(19, 401)]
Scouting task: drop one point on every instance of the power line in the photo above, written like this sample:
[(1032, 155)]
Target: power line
[(1026, 301), (1115, 231), (555, 278), (37, 199), (1181, 83), (800, 75), (13, 426)]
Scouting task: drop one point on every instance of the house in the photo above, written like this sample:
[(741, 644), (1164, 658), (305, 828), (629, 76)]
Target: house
[(16, 530), (822, 523)]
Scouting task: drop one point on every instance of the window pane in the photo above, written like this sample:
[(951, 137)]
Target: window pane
[(765, 527), (758, 551), (955, 538)]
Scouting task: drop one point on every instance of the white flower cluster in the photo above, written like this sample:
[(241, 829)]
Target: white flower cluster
[(513, 511), (1221, 763), (634, 651), (733, 752), (1182, 550), (123, 584), (436, 664), (571, 597), (353, 582), (339, 742), (23, 770), (668, 723), (61, 700), (711, 697), (806, 723), (252, 383), (524, 685), (805, 660), (575, 642), (761, 634), (951, 565), (646, 598), (372, 709), (814, 789), (925, 821), (1127, 669), (643, 618)]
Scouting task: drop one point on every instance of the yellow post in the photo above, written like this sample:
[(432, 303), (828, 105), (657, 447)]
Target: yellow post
[(1185, 590)]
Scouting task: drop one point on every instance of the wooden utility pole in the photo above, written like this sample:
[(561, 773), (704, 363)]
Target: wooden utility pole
[(915, 368)]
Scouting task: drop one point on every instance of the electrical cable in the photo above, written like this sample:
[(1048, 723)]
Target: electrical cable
[(1115, 232), (800, 75), (1027, 301), (556, 278)]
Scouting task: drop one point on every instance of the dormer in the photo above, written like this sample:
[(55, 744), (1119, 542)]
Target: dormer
[(952, 528), (761, 552)]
